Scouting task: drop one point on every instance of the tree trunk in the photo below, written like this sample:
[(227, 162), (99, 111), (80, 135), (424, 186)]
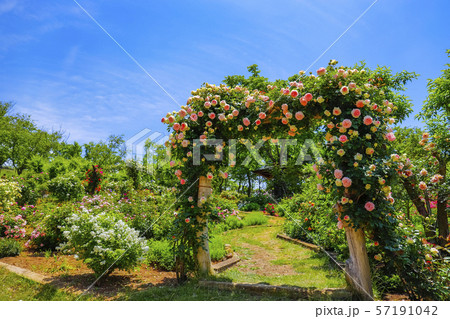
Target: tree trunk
[(442, 198), (420, 206), (357, 267), (249, 189), (203, 256)]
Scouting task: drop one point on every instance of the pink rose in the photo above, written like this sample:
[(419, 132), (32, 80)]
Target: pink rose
[(178, 173), (212, 116), (343, 138), (321, 71), (176, 126), (284, 120), (356, 113), (207, 105), (294, 93), (262, 115), (246, 121), (303, 101), (347, 123), (182, 113), (423, 186), (337, 111), (360, 104), (182, 181), (340, 225), (369, 206), (347, 182), (194, 117), (344, 90), (200, 113), (390, 136), (367, 120), (235, 112), (338, 174), (330, 125), (308, 97), (171, 119)]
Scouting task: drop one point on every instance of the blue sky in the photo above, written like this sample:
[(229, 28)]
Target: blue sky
[(58, 66)]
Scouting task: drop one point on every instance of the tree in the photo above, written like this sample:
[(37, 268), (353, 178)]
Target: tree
[(436, 115), (107, 153)]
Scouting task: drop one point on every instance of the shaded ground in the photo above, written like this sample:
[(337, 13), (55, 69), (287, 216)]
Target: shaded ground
[(75, 277)]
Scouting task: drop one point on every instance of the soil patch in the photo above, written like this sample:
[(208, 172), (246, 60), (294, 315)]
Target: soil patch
[(73, 276)]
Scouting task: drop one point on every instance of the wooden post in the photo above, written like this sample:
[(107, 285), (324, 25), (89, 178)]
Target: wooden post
[(357, 267), (203, 256)]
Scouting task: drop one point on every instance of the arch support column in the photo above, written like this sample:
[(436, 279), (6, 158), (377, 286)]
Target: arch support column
[(203, 255), (357, 267)]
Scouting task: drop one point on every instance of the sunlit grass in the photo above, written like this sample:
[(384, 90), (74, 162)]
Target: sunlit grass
[(312, 270)]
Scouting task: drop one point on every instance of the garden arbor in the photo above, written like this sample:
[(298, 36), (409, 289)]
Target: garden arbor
[(351, 107)]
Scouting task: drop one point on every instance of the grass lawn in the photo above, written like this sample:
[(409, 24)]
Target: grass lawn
[(267, 259), (15, 287)]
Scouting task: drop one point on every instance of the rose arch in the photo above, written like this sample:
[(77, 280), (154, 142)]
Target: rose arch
[(351, 107)]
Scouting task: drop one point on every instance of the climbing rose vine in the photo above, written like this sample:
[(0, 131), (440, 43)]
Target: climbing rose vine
[(351, 107)]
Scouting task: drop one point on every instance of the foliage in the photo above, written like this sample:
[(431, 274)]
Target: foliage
[(66, 187), (12, 227), (9, 192), (249, 207), (270, 209), (21, 139), (259, 198), (222, 203), (217, 248), (93, 180), (32, 188), (9, 247), (255, 218), (160, 254), (103, 242), (47, 235)]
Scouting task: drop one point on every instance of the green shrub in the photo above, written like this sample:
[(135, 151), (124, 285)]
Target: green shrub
[(231, 195), (103, 242), (270, 209), (160, 254), (9, 192), (48, 234), (9, 247), (234, 222), (67, 187), (217, 248), (255, 218), (223, 203), (249, 207)]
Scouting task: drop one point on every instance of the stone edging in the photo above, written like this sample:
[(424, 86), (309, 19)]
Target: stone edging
[(26, 273), (295, 292), (224, 265)]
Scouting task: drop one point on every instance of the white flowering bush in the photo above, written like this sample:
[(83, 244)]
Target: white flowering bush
[(9, 192), (66, 187), (103, 242)]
